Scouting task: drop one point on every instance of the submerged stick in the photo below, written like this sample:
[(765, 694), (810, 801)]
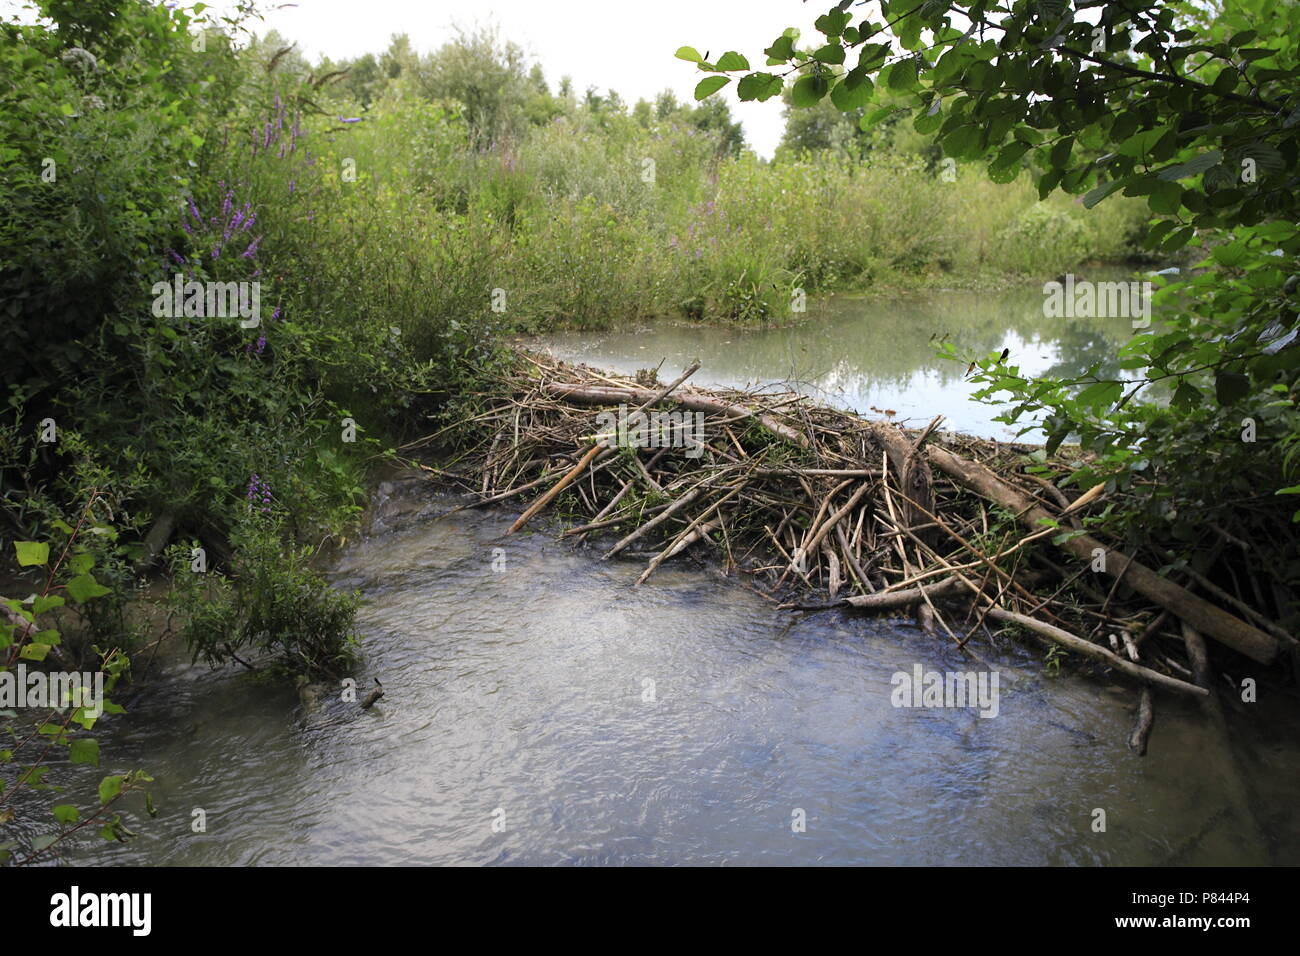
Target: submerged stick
[(1088, 649), (1137, 740)]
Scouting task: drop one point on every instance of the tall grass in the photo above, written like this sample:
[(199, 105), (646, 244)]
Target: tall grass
[(592, 221)]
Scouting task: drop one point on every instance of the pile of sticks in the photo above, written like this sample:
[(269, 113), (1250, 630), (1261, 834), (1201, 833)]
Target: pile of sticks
[(821, 508)]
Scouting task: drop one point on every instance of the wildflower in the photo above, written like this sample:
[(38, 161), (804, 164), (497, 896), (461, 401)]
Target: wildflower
[(259, 494), (91, 102), (350, 119), (252, 248)]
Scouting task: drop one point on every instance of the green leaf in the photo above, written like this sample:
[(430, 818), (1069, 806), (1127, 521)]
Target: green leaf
[(1193, 167), (34, 652), (81, 563), (1100, 394), (84, 750), (710, 85), (832, 24), (1060, 154), (1166, 198), (963, 142), (852, 92), (109, 788), (66, 813), (84, 587), (808, 90), (781, 50), (830, 53), (1101, 192), (759, 86), (32, 553), (47, 603), (731, 61), (688, 53), (902, 75)]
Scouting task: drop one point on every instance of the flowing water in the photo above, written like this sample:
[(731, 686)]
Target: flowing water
[(516, 673), (541, 710)]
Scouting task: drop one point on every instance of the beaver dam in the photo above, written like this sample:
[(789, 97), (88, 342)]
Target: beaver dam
[(818, 508)]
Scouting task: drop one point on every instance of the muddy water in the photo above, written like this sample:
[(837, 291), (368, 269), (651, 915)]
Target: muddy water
[(875, 353), (519, 695)]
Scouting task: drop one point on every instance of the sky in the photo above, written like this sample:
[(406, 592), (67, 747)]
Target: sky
[(605, 43)]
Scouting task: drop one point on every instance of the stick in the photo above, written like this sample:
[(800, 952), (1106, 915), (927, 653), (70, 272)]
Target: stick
[(1198, 612), (559, 486), (1088, 649)]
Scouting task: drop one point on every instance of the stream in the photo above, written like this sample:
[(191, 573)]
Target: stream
[(541, 710)]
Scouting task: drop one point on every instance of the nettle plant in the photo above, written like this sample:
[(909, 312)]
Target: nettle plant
[(34, 736), (1196, 108)]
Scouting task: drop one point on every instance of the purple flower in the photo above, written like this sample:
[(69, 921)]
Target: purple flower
[(252, 248), (350, 119)]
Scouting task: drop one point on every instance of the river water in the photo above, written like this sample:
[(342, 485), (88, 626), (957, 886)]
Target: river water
[(516, 675), (541, 710)]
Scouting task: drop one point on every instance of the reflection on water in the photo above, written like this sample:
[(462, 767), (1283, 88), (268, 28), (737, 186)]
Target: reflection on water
[(860, 353), (525, 691)]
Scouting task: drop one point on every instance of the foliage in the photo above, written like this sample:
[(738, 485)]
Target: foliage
[(68, 565), (273, 604), (1192, 108)]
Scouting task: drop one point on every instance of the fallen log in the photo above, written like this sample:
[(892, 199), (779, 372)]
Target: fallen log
[(614, 395), (891, 600), (1199, 613)]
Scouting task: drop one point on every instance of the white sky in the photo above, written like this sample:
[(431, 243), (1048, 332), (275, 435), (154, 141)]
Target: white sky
[(605, 43)]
